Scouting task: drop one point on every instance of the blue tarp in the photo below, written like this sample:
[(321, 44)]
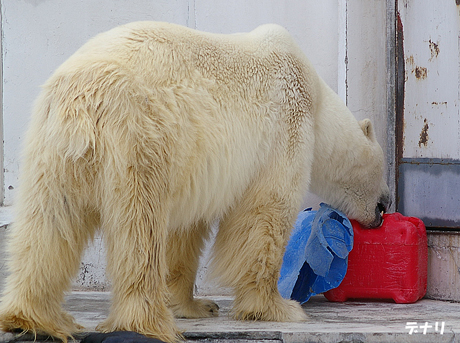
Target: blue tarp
[(316, 256)]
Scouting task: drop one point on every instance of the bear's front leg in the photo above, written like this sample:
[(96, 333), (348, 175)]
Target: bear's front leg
[(184, 250), (249, 249), (135, 227)]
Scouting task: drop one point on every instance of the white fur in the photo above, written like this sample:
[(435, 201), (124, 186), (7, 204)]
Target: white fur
[(150, 132)]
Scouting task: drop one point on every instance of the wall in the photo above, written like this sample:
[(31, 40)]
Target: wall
[(344, 39), (429, 165), (429, 134)]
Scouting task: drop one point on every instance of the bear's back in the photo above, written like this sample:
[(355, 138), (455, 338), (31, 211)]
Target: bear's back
[(167, 52), (229, 102)]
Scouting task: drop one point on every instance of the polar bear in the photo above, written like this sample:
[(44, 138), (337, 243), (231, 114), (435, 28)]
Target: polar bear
[(150, 132)]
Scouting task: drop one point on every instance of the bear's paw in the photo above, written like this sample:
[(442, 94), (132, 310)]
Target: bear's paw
[(195, 308), (61, 327), (276, 310)]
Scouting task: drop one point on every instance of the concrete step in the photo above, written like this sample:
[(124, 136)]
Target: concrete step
[(352, 321)]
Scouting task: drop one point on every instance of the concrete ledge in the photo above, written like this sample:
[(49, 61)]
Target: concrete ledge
[(443, 265), (355, 321)]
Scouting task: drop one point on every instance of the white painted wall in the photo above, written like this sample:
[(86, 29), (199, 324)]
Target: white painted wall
[(40, 35), (366, 76)]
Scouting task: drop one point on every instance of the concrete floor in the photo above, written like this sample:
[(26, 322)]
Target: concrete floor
[(328, 322)]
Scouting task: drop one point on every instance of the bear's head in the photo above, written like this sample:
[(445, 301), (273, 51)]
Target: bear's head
[(351, 177)]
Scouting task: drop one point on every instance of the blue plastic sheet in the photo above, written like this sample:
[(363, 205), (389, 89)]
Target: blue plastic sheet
[(316, 256)]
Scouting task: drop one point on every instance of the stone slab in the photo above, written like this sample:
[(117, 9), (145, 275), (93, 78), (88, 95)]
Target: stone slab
[(353, 321)]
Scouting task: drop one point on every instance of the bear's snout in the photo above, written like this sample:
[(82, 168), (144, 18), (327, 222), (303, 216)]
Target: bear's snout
[(384, 202), (383, 205)]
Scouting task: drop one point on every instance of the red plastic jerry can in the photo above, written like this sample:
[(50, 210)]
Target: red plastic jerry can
[(389, 262)]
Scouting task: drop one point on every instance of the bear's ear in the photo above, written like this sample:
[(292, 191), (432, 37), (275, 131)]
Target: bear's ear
[(368, 129)]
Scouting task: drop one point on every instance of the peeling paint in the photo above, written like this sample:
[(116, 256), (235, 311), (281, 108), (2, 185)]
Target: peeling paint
[(434, 48), (424, 135), (410, 60), (420, 72)]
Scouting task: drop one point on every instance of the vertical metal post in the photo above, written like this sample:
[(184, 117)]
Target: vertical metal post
[(2, 145), (342, 70), (391, 8)]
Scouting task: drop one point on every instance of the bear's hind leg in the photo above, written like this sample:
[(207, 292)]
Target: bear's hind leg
[(45, 244), (184, 250), (135, 225), (249, 250)]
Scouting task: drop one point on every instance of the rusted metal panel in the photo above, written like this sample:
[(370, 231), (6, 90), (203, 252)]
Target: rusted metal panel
[(428, 111), (431, 56), (429, 189)]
